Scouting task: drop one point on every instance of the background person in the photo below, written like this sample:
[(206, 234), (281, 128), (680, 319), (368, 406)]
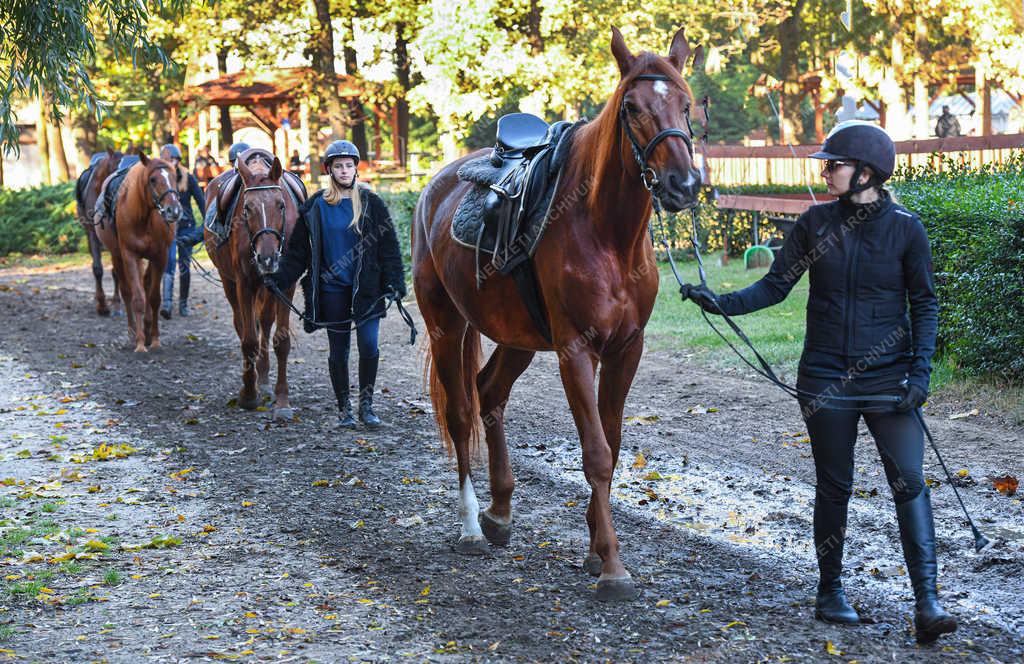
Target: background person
[(867, 257), (188, 233), (345, 243)]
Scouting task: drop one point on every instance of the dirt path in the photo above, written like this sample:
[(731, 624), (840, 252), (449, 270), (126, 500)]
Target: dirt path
[(144, 519)]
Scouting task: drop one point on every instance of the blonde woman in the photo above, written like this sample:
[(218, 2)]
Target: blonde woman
[(345, 244)]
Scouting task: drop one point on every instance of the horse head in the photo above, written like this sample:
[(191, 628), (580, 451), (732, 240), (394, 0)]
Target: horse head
[(159, 178), (654, 104), (263, 207)]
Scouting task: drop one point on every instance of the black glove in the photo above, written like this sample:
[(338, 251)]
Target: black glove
[(913, 399), (701, 295), (396, 293), (270, 282)]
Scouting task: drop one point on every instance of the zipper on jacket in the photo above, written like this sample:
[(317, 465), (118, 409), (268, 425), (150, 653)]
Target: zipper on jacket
[(851, 285)]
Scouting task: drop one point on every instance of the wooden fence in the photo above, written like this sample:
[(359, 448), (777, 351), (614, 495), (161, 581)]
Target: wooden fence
[(732, 165)]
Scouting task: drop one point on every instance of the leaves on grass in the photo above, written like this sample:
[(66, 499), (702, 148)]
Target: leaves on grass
[(1006, 485)]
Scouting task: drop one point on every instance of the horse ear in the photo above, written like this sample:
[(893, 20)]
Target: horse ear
[(698, 59), (276, 170), (110, 152), (679, 51), (621, 52), (143, 158)]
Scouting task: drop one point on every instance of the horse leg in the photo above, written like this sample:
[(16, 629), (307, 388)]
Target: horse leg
[(266, 312), (96, 250), (578, 370), (154, 274), (282, 347), (449, 391), (249, 397), (494, 383), (135, 301), (617, 372), (117, 274)]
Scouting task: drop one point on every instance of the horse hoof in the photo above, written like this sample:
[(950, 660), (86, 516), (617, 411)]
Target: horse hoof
[(249, 404), (283, 414), (592, 564), (116, 313), (102, 311), (472, 546), (497, 533), (140, 349), (155, 345), (616, 589), (266, 390)]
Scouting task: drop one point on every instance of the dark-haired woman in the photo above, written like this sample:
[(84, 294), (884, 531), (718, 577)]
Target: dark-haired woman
[(868, 258), (345, 243)]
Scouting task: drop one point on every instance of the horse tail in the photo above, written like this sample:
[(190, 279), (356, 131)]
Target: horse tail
[(472, 355)]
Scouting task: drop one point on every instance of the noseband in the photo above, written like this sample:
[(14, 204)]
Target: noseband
[(266, 230), (647, 174)]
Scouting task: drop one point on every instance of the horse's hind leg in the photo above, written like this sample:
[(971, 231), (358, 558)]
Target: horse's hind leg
[(266, 312), (452, 344), (96, 250), (494, 384), (135, 301), (153, 278)]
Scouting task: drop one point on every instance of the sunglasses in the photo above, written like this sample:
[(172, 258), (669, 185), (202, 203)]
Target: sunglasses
[(832, 164)]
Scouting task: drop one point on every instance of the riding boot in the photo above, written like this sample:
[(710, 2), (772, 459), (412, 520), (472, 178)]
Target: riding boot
[(367, 377), (917, 532), (339, 381), (165, 306), (186, 280), (830, 605)]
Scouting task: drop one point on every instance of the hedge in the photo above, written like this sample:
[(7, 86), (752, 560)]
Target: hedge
[(975, 222), (40, 220)]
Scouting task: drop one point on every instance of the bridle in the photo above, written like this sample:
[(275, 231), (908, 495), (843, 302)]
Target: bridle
[(159, 198), (648, 176), (266, 230)]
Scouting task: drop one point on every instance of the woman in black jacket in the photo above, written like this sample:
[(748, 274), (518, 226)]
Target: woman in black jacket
[(345, 244), (867, 258)]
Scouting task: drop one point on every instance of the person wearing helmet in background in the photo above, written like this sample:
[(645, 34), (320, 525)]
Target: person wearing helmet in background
[(234, 151), (187, 235), (347, 248), (867, 257)]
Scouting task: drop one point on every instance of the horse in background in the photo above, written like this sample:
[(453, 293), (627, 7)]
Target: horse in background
[(145, 219), (87, 190), (597, 279), (259, 226)]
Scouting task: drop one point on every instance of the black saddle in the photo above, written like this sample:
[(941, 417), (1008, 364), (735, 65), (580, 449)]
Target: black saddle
[(106, 205), (506, 213), (82, 185)]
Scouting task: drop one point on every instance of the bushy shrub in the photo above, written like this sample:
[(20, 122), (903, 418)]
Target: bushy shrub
[(40, 220), (401, 204), (975, 222)]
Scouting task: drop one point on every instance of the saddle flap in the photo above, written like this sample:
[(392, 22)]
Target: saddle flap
[(518, 131), (228, 191)]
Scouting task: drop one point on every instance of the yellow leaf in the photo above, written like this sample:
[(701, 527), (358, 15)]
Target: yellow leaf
[(831, 649), (246, 503), (250, 614), (96, 545), (180, 474), (570, 503), (45, 590), (319, 482), (962, 472), (94, 489), (640, 461), (662, 602), (252, 630), (330, 616), (425, 591), (365, 601), (653, 475), (358, 524), (209, 528)]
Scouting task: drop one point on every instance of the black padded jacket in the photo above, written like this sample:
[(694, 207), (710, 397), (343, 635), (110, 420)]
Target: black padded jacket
[(377, 256), (866, 263)]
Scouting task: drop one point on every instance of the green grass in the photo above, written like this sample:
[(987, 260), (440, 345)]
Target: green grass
[(71, 567), (28, 588), (112, 577), (80, 597), (49, 507), (7, 501), (777, 332), (6, 632)]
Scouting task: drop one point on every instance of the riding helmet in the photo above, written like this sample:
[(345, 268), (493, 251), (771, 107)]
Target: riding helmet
[(235, 150), (172, 151), (339, 149), (867, 143)]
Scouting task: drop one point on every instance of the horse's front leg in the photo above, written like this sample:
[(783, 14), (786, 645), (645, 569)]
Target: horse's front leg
[(578, 370), (249, 397), (617, 372), (135, 301), (96, 251), (266, 312), (154, 272), (282, 347)]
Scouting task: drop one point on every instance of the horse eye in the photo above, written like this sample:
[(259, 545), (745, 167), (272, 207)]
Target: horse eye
[(630, 107)]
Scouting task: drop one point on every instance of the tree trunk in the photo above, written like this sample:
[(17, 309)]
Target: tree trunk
[(227, 132), (402, 72), (59, 165), (85, 129), (357, 117), (789, 72), (535, 39), (157, 112), (326, 75), (43, 142)]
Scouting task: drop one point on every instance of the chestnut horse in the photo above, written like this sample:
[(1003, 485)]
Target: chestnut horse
[(262, 222), (146, 218), (86, 204), (597, 277)]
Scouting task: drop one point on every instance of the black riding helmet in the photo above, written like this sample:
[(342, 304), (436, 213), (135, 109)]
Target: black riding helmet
[(235, 150), (172, 151), (865, 143), (338, 149)]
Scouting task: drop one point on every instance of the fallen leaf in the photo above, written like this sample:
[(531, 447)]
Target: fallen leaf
[(832, 650), (1006, 485), (640, 461), (662, 602), (653, 475), (320, 483), (413, 520), (958, 416), (640, 420)]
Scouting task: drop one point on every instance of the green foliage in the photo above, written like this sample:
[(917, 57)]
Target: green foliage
[(975, 222), (734, 113), (401, 204), (39, 220)]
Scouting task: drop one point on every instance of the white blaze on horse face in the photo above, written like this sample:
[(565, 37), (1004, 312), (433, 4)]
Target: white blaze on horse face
[(263, 211), (469, 510), (661, 88), (167, 176)]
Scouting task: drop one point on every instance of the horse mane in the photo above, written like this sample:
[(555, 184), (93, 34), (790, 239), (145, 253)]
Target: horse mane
[(602, 140)]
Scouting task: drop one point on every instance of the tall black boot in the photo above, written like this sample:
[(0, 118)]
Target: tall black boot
[(830, 605), (367, 378), (186, 281), (339, 381), (917, 532), (168, 296)]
